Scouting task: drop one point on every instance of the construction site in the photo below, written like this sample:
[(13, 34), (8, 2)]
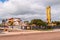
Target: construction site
[(18, 24)]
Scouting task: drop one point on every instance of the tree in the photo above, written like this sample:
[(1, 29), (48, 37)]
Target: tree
[(38, 22), (57, 23)]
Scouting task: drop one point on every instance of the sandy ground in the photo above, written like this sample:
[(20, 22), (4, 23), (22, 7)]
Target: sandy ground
[(33, 36)]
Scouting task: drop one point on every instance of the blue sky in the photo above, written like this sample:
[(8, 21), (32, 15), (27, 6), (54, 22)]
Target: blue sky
[(29, 9), (3, 1)]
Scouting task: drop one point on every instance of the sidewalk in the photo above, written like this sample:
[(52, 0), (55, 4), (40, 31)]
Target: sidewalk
[(26, 32)]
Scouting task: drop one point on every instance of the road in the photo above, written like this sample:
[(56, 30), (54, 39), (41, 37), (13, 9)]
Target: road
[(36, 36)]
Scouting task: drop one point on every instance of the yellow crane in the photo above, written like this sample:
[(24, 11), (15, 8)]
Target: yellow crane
[(48, 13)]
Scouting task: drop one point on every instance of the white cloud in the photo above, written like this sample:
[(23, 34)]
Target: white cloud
[(29, 9), (9, 7)]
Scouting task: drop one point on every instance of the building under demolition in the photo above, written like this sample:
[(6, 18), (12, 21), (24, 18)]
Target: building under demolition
[(15, 23)]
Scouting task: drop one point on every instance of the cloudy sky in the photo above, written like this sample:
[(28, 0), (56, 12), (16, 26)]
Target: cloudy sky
[(29, 9)]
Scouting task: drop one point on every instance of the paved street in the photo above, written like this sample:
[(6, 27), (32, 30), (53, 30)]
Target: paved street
[(36, 36)]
